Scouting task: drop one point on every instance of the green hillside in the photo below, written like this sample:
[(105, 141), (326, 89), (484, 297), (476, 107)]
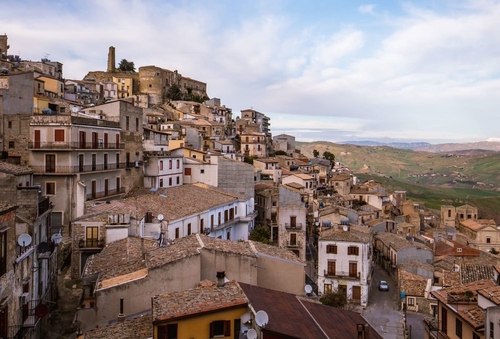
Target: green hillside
[(434, 178)]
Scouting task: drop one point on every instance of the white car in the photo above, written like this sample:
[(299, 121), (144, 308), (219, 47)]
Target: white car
[(383, 285)]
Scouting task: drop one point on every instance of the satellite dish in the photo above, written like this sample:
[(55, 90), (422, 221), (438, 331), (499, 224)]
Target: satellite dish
[(345, 228), (261, 318), (252, 334), (56, 238), (156, 235), (308, 289), (24, 239), (43, 247), (245, 318), (160, 217)]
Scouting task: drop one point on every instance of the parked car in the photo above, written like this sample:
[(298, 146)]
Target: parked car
[(383, 285)]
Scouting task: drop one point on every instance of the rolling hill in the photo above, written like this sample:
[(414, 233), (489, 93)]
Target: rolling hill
[(454, 177)]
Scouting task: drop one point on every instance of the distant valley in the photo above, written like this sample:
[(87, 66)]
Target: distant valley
[(436, 174)]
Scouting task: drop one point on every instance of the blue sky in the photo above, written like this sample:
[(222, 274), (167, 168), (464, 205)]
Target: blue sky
[(321, 70)]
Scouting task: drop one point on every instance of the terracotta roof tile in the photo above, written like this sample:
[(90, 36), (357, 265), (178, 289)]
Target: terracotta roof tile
[(206, 297), (299, 317), (491, 293), (14, 169), (412, 284), (399, 242), (470, 273), (136, 328), (354, 234)]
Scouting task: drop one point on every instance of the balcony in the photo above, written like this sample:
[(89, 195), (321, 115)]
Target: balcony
[(296, 226), (79, 168), (73, 145), (342, 275), (90, 243), (295, 244), (103, 194)]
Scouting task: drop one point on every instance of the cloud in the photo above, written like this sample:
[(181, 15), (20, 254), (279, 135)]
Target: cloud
[(366, 9)]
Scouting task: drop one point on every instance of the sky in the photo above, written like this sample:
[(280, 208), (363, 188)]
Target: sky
[(332, 70)]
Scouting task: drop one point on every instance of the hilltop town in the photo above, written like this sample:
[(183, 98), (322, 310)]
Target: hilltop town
[(133, 205)]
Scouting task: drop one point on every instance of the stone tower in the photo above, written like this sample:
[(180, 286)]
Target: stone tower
[(111, 59), (4, 48)]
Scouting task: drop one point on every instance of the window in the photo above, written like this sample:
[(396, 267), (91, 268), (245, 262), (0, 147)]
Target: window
[(202, 171), (177, 180), (411, 301), (189, 229), (177, 233), (458, 328), (353, 269), (12, 144), (167, 331), (187, 171), (449, 213), (212, 220), (220, 328), (50, 188), (202, 224), (178, 163), (170, 164), (50, 163), (492, 330), (169, 181), (444, 320), (331, 268), (105, 161), (59, 135), (3, 253), (161, 182), (92, 236), (10, 124), (488, 240), (161, 165), (127, 122), (137, 124), (331, 249), (353, 250), (327, 288), (293, 239)]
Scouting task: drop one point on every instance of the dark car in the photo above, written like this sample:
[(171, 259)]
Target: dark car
[(383, 285)]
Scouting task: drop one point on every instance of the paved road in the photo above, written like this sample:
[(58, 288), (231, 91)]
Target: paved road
[(382, 311), (417, 327)]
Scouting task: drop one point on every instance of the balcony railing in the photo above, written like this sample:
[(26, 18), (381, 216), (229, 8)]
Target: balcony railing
[(293, 244), (102, 194), (90, 243), (80, 168), (293, 226), (69, 145), (342, 275)]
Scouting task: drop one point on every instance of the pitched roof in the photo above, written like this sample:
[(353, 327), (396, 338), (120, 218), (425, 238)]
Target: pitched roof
[(450, 295), (136, 328), (205, 297), (354, 234), (299, 317), (470, 273), (475, 225), (412, 284), (174, 202), (491, 293), (6, 167), (131, 258), (398, 242)]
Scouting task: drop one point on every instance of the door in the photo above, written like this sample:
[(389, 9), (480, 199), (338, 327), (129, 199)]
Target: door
[(37, 139), (50, 163), (94, 189), (106, 187), (80, 163), (82, 139), (105, 140), (356, 292), (293, 221)]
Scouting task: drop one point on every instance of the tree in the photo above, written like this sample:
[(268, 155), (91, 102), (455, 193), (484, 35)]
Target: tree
[(260, 234), (316, 153), (174, 93), (329, 156), (126, 66), (334, 298), (280, 152)]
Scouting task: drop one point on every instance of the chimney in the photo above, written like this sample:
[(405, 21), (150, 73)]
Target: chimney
[(220, 278), (121, 316)]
